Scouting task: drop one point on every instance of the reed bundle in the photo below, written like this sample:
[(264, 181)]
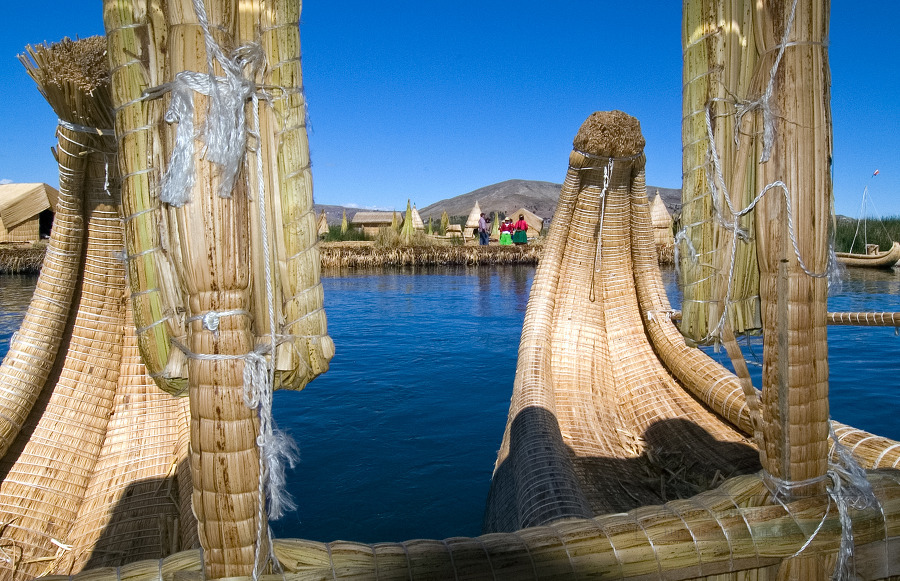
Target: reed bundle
[(407, 230), (25, 368), (591, 396), (229, 282), (55, 485), (720, 56), (729, 530)]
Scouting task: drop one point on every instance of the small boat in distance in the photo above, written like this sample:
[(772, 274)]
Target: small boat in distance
[(873, 258)]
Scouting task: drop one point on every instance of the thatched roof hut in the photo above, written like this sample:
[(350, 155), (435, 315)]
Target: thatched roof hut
[(322, 224), (371, 222), (535, 222), (662, 222), (471, 226), (26, 211), (417, 222)]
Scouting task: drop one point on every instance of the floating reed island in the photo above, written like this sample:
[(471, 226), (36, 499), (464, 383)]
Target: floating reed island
[(628, 453), (364, 255)]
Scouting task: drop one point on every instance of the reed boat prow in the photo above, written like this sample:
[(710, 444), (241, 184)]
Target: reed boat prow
[(880, 259)]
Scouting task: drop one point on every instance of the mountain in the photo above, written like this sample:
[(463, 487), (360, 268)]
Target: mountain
[(538, 197), (504, 197)]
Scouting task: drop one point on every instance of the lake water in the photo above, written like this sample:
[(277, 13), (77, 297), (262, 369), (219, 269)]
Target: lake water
[(399, 438)]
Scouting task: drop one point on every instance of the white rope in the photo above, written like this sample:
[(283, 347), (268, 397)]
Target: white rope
[(225, 136), (607, 173), (224, 133), (85, 129)]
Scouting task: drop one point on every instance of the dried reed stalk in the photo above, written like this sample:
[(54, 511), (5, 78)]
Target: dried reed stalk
[(47, 474), (719, 60), (591, 397)]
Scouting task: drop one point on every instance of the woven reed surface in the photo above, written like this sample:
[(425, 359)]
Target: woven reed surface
[(591, 398), (218, 261), (66, 76), (132, 507), (732, 533), (48, 468), (27, 231)]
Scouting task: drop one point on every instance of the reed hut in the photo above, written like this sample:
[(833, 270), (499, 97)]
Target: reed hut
[(371, 222), (662, 222), (535, 222), (454, 231), (26, 211), (322, 224), (471, 226), (417, 223)]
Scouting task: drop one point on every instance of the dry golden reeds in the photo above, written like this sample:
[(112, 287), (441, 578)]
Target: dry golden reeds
[(729, 533), (720, 55), (71, 471), (366, 256), (221, 283)]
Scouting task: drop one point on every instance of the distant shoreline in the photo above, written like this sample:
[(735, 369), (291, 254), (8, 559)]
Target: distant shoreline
[(28, 259)]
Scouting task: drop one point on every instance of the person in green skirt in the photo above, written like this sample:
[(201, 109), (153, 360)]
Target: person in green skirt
[(520, 231), (506, 231)]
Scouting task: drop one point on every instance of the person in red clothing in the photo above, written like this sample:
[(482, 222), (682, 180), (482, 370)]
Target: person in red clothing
[(520, 231), (506, 231)]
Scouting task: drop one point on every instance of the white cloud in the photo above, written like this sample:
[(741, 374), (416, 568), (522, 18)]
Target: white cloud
[(5, 181)]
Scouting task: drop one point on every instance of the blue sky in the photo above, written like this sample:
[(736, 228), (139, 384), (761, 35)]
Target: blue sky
[(429, 100)]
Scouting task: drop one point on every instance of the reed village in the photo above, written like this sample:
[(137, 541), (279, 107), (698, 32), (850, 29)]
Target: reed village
[(180, 285)]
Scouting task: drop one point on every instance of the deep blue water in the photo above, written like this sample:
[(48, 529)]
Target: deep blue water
[(399, 438)]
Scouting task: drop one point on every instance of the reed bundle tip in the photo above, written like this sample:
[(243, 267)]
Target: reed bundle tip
[(81, 62), (610, 134)]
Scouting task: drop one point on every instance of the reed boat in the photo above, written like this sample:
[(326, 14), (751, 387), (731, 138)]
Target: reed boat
[(135, 404), (877, 259)]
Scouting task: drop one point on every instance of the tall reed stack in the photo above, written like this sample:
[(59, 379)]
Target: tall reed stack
[(221, 241), (717, 258)]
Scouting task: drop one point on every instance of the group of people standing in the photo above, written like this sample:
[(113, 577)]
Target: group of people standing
[(510, 232)]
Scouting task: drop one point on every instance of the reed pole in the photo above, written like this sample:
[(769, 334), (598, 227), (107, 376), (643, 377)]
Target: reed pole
[(793, 226)]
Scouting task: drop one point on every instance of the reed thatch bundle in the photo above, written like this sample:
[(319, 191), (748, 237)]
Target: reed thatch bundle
[(795, 379), (720, 56), (590, 390), (221, 285), (407, 231), (729, 533), (27, 364), (344, 225), (445, 222)]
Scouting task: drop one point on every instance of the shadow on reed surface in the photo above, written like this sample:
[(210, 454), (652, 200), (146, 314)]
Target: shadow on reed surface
[(678, 459)]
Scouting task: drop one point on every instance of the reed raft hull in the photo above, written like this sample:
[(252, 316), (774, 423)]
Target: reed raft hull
[(885, 259)]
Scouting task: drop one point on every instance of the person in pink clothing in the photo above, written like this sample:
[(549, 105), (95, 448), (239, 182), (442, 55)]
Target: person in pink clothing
[(520, 231)]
